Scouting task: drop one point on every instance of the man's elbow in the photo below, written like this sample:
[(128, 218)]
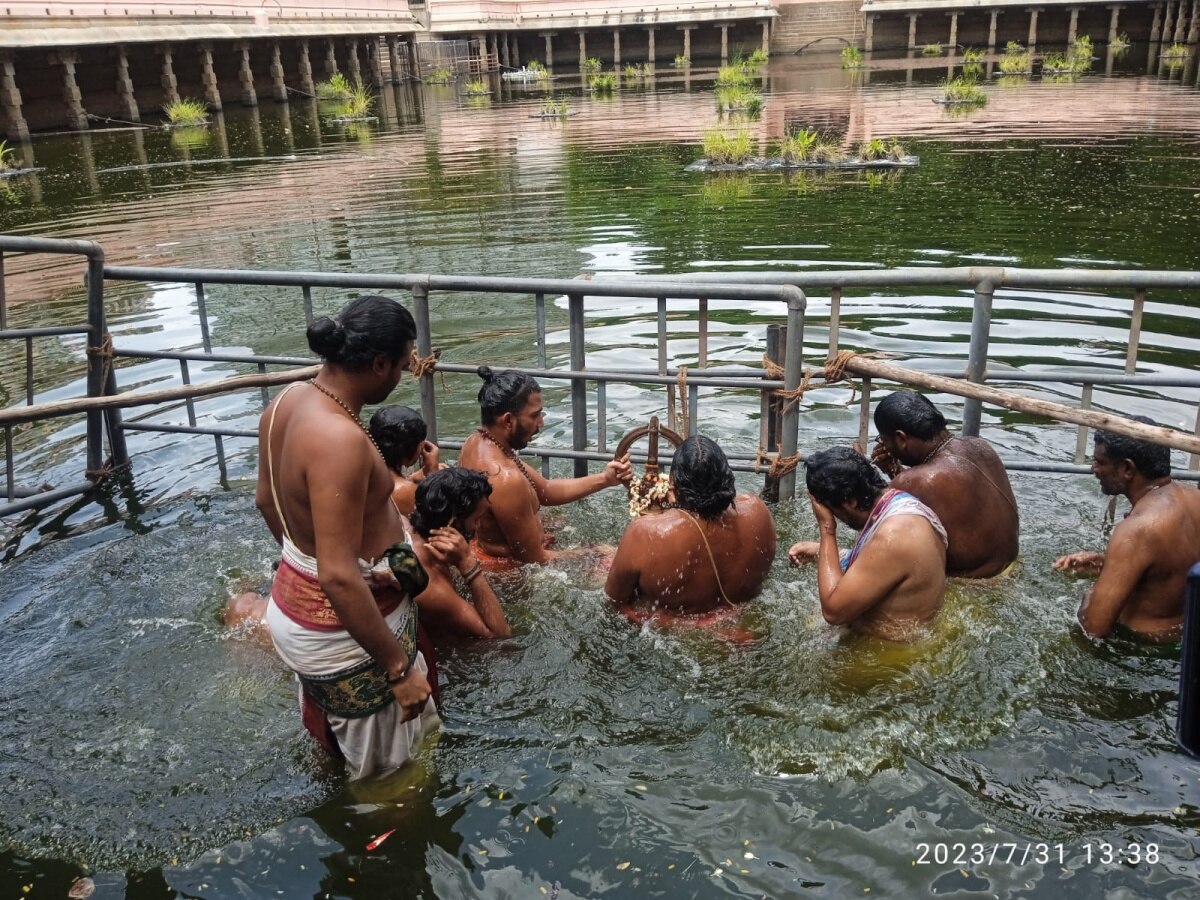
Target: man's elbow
[(1092, 628), (836, 615)]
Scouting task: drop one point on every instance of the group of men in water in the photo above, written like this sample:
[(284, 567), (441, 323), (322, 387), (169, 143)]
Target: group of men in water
[(365, 544)]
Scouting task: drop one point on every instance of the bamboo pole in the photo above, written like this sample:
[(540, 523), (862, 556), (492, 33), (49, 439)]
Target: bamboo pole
[(877, 368), (59, 408)]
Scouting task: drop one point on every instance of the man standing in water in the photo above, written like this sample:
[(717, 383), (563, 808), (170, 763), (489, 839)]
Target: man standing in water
[(345, 626), (711, 548), (510, 407), (892, 581), (1143, 573), (961, 479)]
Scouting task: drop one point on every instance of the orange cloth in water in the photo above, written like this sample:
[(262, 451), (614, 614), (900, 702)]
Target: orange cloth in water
[(301, 599), (494, 563), (721, 620)]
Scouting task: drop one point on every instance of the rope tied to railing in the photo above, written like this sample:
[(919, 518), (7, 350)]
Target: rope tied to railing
[(100, 474), (835, 366), (794, 395), (682, 422), (777, 466), (420, 366), (104, 352)]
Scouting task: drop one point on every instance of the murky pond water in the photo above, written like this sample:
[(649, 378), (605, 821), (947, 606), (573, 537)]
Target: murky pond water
[(148, 746)]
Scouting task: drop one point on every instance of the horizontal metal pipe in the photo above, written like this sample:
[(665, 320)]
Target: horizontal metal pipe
[(189, 429), (14, 244), (627, 288), (44, 498), (13, 334), (1016, 465)]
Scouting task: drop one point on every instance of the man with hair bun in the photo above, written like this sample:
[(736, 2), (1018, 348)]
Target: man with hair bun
[(399, 432), (711, 548), (510, 408), (1143, 573), (341, 616)]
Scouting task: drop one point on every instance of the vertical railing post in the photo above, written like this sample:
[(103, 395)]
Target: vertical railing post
[(835, 314), (1135, 331), (10, 483), (864, 416), (793, 369), (202, 310), (540, 307), (1194, 458), (662, 359), (602, 416), (308, 307), (981, 327), (95, 364), (702, 350), (578, 384), (1085, 402), (420, 295), (29, 371), (3, 296)]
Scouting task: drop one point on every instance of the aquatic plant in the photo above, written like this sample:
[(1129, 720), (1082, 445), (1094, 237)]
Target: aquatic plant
[(931, 50), (733, 75), (1120, 43), (725, 149), (725, 188), (1016, 60), (1175, 51), (636, 70), (963, 90), (754, 106), (359, 104), (6, 156), (186, 112), (878, 149), (537, 68), (591, 66), (477, 87), (1058, 63), (190, 137), (681, 61), (731, 98), (972, 55), (336, 87), (758, 58), (798, 146), (602, 83), (551, 108), (852, 58), (440, 75), (973, 71), (1080, 54)]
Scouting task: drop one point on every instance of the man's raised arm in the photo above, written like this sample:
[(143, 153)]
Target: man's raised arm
[(1126, 560), (560, 491)]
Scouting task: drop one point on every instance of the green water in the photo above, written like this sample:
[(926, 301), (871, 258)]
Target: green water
[(150, 748)]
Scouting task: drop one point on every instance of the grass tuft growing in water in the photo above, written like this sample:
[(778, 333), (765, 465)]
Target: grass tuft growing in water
[(963, 90), (758, 58), (931, 50), (537, 68), (6, 156), (440, 75), (735, 75), (336, 87), (852, 58), (360, 102), (186, 112), (681, 61), (1120, 43), (477, 87), (591, 66), (733, 98), (972, 55), (1175, 51), (551, 108), (878, 149), (727, 149), (1016, 60), (636, 70), (602, 83), (808, 145)]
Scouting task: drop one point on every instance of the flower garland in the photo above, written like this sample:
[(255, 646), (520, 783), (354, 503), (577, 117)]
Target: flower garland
[(649, 491)]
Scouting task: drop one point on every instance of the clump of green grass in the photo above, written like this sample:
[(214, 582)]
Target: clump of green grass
[(758, 58), (1016, 59), (6, 156), (591, 66), (798, 146), (972, 55), (852, 58), (733, 98), (1175, 51), (931, 50), (360, 102), (602, 83), (1058, 62), (636, 70), (1120, 43), (963, 90), (878, 149), (186, 112), (554, 108), (477, 87), (681, 61), (727, 149), (440, 75), (335, 88), (1080, 53), (733, 75), (537, 68), (973, 71)]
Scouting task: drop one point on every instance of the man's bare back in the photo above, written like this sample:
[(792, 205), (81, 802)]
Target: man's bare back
[(515, 491), (662, 560), (966, 485)]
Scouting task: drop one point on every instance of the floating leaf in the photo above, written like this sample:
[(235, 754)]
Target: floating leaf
[(375, 844), (621, 867)]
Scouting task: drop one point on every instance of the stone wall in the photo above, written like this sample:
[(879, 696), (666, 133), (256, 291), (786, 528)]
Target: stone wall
[(816, 26)]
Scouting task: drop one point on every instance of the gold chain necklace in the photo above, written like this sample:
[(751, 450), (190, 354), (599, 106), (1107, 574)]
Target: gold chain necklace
[(511, 454), (338, 400), (934, 452)]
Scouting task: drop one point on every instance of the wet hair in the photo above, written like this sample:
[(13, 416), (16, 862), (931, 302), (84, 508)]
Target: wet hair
[(702, 478), (842, 475), (448, 495), (1152, 460), (503, 392), (366, 327), (399, 431), (911, 413)]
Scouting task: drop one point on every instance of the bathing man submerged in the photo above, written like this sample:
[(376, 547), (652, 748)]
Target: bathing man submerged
[(1143, 572), (892, 581), (347, 628)]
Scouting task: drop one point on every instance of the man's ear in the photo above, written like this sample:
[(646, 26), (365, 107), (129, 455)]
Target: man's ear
[(1127, 470), (506, 420)]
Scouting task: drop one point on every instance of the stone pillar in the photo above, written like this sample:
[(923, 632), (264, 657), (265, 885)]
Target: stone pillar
[(414, 58), (170, 84), (306, 76), (246, 76), (869, 37), (766, 36), (376, 61), (616, 48), (1112, 24), (393, 45), (1181, 21), (76, 115), (495, 52), (687, 41), (10, 98), (504, 57), (549, 38), (1168, 20), (650, 52), (1073, 28), (125, 86), (1193, 35), (953, 32), (352, 63), (278, 85), (1156, 25), (212, 90), (992, 31), (1033, 16), (912, 30), (582, 49), (724, 43), (331, 68)]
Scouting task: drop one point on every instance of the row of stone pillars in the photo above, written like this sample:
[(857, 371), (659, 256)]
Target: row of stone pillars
[(498, 45), (1159, 30), (77, 117)]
